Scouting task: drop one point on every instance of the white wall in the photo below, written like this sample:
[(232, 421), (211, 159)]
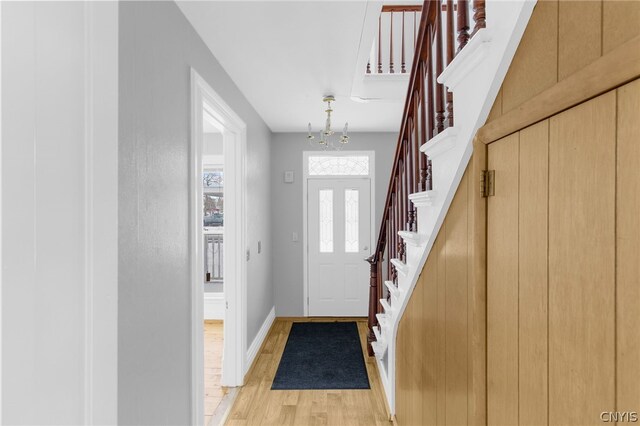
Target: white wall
[(157, 48), (212, 144), (286, 207), (59, 212)]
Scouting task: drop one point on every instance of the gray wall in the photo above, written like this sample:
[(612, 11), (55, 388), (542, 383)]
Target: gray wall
[(157, 48), (286, 207)]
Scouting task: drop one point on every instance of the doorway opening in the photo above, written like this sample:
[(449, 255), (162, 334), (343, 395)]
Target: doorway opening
[(338, 225), (218, 269), (213, 250)]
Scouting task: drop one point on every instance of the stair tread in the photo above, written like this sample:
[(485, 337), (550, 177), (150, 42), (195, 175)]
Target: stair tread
[(382, 319), (392, 288), (398, 263), (440, 143), (378, 334), (400, 266), (379, 348), (387, 307)]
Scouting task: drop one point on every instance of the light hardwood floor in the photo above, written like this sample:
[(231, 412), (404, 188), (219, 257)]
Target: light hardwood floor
[(213, 392), (257, 404)]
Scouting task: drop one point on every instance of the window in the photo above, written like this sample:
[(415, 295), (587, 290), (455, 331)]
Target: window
[(213, 197), (352, 165), (351, 242), (326, 220)]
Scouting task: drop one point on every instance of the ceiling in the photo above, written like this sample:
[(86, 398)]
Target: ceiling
[(285, 55)]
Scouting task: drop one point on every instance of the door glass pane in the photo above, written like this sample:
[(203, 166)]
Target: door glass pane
[(351, 220), (352, 165), (326, 220)]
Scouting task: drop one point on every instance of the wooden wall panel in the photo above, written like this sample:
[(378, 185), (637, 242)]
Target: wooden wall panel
[(441, 248), (403, 370), (621, 22), (581, 262), (496, 109), (439, 384), (580, 35), (502, 284), (417, 347), (534, 67), (477, 290), (429, 279), (628, 249), (532, 273), (456, 324), (561, 38)]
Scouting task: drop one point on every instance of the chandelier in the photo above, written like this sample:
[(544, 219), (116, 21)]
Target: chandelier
[(325, 141)]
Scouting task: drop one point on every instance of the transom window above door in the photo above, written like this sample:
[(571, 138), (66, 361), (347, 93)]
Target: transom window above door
[(342, 165)]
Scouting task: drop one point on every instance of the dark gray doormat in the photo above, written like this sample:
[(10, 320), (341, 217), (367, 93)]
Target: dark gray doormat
[(322, 355)]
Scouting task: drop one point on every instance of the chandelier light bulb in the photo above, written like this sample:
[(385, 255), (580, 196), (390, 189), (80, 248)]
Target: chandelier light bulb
[(310, 136)]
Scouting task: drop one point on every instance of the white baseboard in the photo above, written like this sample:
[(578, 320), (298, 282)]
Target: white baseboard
[(257, 342), (214, 306)]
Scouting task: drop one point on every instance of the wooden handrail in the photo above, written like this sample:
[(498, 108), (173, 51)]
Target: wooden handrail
[(428, 110), (401, 8)]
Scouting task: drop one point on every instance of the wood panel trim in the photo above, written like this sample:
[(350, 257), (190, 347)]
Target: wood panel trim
[(477, 294), (614, 69)]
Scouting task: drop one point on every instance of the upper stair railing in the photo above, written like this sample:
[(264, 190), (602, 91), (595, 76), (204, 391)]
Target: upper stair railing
[(397, 28), (428, 111)]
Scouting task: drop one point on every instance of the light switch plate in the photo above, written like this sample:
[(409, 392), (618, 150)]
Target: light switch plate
[(288, 176)]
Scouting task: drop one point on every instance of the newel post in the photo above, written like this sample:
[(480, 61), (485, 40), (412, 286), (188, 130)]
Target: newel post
[(373, 302)]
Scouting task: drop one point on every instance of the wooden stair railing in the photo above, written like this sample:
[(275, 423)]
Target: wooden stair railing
[(407, 15), (428, 110)]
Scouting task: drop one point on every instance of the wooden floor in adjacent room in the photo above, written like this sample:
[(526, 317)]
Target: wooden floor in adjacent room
[(213, 339), (257, 404)]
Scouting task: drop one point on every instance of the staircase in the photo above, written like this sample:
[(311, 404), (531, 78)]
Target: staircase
[(462, 61)]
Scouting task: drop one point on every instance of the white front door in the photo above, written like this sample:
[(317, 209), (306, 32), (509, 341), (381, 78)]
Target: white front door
[(339, 230)]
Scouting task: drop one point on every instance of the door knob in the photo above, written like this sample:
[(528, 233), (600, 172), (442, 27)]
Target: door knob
[(365, 248)]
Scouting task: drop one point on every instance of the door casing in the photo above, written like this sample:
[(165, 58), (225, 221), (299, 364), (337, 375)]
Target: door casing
[(203, 97)]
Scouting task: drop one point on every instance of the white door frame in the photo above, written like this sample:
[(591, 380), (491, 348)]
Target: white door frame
[(305, 229), (235, 267)]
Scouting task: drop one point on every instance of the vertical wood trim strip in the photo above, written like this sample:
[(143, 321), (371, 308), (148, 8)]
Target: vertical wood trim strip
[(628, 247), (533, 275), (477, 264)]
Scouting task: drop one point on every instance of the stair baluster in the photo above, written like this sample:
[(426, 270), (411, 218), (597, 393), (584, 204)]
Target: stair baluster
[(463, 24), (439, 68), (450, 53), (479, 16), (373, 294)]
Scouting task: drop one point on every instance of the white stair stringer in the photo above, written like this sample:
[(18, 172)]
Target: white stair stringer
[(474, 76)]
